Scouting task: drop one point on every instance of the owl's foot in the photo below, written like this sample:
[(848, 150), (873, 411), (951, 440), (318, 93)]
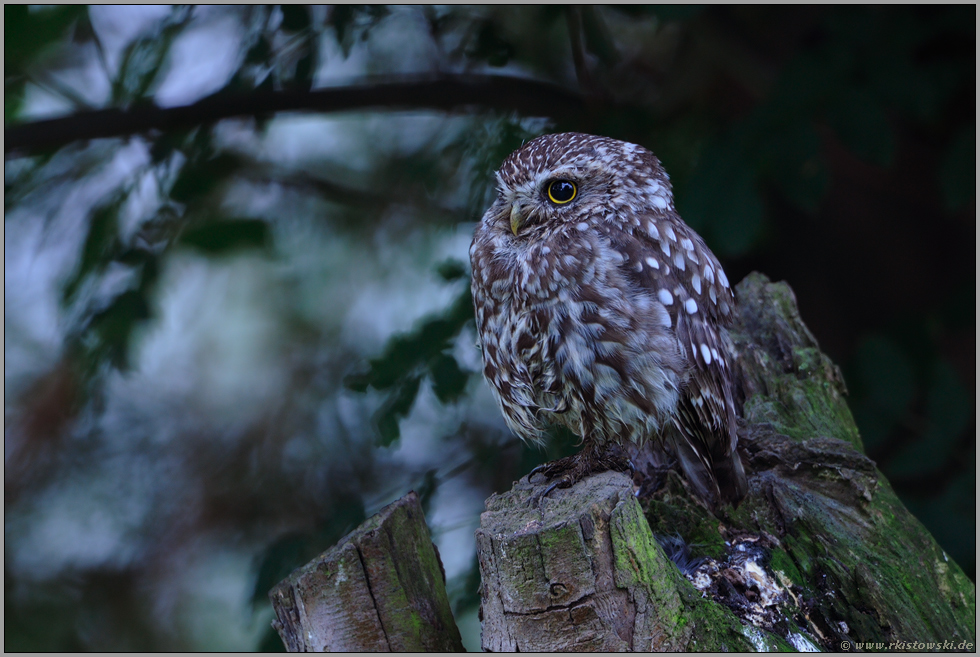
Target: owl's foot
[(568, 471)]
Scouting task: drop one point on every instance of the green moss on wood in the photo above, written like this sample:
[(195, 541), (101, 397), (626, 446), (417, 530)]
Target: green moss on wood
[(859, 566), (852, 563)]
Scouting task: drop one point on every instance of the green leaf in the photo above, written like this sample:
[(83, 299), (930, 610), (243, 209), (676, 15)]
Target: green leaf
[(168, 142), (29, 31), (810, 80), (721, 201), (407, 358), (101, 244), (223, 236), (958, 171), (199, 178), (448, 380), (861, 123), (949, 406), (489, 46), (451, 270), (394, 408), (349, 21), (874, 425), (295, 18), (296, 549), (886, 375), (144, 57), (407, 354), (949, 410), (426, 490), (793, 159), (13, 98), (260, 52), (305, 68), (111, 330)]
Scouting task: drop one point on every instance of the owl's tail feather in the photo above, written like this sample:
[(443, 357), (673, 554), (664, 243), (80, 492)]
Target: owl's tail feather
[(697, 470), (716, 480), (730, 474)]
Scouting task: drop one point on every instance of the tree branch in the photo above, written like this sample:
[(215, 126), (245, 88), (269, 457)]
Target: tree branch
[(450, 92)]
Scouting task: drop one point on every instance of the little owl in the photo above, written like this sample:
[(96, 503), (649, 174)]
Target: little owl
[(599, 309)]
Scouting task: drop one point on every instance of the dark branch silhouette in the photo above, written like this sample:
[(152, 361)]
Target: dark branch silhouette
[(452, 92)]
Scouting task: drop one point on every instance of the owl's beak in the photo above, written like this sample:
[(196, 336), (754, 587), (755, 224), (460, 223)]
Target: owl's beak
[(517, 218)]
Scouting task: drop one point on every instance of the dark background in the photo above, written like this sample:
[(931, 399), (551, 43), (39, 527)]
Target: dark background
[(232, 334)]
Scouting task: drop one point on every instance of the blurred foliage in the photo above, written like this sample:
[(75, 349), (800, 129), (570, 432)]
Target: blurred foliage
[(407, 359), (833, 147)]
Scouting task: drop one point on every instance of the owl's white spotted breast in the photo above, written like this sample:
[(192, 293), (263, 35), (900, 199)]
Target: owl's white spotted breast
[(606, 313), (559, 348)]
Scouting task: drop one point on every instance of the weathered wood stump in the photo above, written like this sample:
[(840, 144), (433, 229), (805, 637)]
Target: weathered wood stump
[(381, 588), (581, 571), (821, 553)]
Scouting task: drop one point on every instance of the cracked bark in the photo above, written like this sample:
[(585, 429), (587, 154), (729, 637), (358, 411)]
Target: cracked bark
[(381, 588), (821, 553)]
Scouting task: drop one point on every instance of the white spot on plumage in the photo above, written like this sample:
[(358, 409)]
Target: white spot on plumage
[(665, 297), (714, 354), (696, 283), (709, 274), (691, 306), (659, 201), (545, 250), (706, 354), (653, 262), (687, 244), (679, 260), (581, 226), (669, 232), (711, 295), (722, 278), (665, 248)]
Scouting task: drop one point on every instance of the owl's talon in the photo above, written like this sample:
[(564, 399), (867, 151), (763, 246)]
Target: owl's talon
[(564, 482), (538, 469)]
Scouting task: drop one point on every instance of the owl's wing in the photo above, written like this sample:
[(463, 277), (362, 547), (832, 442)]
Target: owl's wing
[(668, 259)]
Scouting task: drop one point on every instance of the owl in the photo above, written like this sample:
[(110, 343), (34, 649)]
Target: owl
[(599, 309)]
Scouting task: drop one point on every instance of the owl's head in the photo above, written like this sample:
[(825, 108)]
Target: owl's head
[(570, 178)]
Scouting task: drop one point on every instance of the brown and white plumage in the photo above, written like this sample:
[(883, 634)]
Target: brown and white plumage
[(606, 312)]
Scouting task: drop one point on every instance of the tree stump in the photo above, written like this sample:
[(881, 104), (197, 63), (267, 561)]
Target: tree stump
[(381, 588), (821, 553), (581, 571)]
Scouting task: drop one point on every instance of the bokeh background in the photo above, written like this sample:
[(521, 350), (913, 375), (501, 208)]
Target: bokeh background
[(225, 345)]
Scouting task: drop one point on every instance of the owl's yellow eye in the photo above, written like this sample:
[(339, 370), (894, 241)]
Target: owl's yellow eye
[(561, 191)]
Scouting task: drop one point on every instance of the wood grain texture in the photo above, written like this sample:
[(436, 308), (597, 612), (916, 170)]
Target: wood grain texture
[(380, 589), (577, 571), (820, 554)]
